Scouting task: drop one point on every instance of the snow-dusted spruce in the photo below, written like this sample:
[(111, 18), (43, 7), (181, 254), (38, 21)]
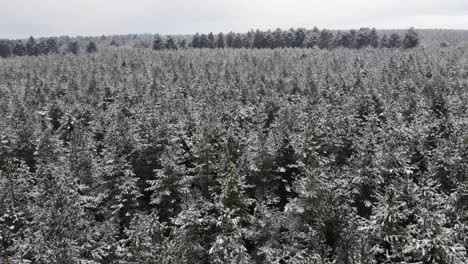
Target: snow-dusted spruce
[(134, 155)]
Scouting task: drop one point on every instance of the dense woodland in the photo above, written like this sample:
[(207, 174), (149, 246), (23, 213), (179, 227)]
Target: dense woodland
[(134, 155), (293, 38)]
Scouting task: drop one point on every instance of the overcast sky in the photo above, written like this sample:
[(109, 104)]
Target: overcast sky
[(41, 18)]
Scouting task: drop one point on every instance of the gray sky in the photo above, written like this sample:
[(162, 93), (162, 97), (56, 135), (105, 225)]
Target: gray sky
[(22, 18)]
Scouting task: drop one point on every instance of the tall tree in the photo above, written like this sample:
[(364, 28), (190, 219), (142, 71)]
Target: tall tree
[(31, 47), (92, 47), (170, 43), (5, 49), (411, 39), (73, 47), (299, 38), (196, 41), (394, 41), (211, 41), (220, 42), (19, 49), (52, 45), (311, 39), (158, 43), (374, 38), (326, 39), (363, 38)]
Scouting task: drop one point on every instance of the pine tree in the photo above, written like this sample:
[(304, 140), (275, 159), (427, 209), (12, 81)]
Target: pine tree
[(289, 38), (278, 40), (5, 49), (170, 44), (158, 42), (91, 47), (363, 38), (299, 38), (204, 41), (196, 41), (374, 38), (59, 225), (73, 47), (52, 46), (259, 40), (311, 40), (16, 182), (325, 40), (384, 42), (232, 205), (220, 42), (211, 41), (19, 49), (230, 39), (394, 41), (148, 242), (31, 47), (411, 39), (182, 44)]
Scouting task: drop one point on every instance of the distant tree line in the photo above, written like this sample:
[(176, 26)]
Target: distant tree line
[(292, 38), (34, 48), (295, 38)]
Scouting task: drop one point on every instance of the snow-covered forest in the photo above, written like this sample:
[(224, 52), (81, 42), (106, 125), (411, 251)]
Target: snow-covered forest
[(123, 154)]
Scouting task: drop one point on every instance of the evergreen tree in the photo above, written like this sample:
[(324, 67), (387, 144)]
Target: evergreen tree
[(278, 41), (182, 44), (230, 39), (158, 42), (259, 40), (345, 40), (248, 39), (31, 47), (204, 41), (289, 38), (312, 39), (211, 41), (394, 41), (384, 42), (91, 47), (374, 38), (52, 46), (237, 41), (326, 39), (19, 49), (170, 44), (299, 37), (232, 204), (220, 42), (196, 41), (363, 38), (73, 47), (411, 39), (5, 49)]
